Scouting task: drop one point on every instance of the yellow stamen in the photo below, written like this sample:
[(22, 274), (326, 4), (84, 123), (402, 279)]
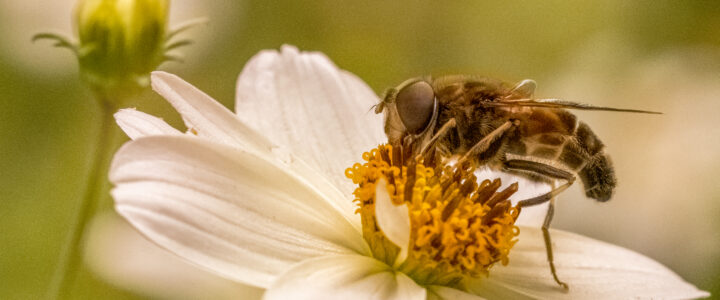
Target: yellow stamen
[(459, 228)]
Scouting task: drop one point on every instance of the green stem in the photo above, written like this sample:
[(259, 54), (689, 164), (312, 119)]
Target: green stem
[(71, 259)]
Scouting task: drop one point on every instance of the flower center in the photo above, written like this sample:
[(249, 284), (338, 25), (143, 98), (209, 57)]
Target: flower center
[(459, 228)]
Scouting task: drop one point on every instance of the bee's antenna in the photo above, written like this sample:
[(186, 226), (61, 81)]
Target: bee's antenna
[(378, 108)]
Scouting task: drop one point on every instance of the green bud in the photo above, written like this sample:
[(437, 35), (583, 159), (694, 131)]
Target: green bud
[(120, 41)]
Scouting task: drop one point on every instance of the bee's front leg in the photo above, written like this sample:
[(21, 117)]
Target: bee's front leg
[(548, 172), (450, 124)]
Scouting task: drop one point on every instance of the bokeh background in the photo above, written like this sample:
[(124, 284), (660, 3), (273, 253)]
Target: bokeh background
[(658, 55)]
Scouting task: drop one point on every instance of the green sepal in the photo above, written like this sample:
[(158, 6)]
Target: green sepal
[(185, 26), (60, 41)]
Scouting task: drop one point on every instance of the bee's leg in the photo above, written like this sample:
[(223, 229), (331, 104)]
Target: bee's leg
[(548, 241), (546, 171), (543, 171), (487, 140), (441, 132)]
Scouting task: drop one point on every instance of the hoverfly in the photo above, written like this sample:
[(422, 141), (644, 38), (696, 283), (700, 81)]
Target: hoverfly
[(486, 122)]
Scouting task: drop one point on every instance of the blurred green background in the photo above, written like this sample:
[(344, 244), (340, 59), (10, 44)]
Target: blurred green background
[(657, 55)]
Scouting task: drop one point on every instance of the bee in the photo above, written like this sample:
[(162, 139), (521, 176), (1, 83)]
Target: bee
[(489, 123)]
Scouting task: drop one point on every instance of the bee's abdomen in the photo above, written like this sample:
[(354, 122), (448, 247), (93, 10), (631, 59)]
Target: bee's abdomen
[(598, 177), (585, 154)]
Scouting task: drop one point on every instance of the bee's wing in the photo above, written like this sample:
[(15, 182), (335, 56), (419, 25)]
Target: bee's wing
[(555, 103)]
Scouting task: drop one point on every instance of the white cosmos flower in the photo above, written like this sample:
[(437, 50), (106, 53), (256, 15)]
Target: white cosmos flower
[(260, 196)]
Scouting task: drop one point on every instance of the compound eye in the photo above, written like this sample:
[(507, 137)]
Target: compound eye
[(415, 106)]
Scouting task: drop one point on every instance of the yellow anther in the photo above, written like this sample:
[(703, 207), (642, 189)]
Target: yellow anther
[(459, 228)]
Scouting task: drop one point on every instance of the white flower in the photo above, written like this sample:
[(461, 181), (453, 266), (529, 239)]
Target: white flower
[(260, 196)]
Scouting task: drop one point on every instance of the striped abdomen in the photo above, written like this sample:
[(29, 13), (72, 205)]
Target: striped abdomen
[(557, 138)]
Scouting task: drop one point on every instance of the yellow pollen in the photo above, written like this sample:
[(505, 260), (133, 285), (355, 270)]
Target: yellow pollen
[(459, 228)]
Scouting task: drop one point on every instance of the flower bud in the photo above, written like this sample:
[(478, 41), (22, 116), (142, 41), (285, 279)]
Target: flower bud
[(120, 41)]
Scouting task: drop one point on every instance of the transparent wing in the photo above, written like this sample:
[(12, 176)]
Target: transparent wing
[(556, 103)]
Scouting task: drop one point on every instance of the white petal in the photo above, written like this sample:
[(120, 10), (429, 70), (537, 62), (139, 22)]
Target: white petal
[(137, 124), (442, 292), (230, 211), (120, 256), (302, 101), (533, 216), (593, 270), (393, 220), (206, 116), (213, 121), (345, 277)]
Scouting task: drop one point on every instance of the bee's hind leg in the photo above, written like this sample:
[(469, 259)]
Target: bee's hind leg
[(548, 241), (542, 171), (552, 173)]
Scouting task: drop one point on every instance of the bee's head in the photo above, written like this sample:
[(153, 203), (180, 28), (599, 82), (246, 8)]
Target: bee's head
[(409, 108)]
